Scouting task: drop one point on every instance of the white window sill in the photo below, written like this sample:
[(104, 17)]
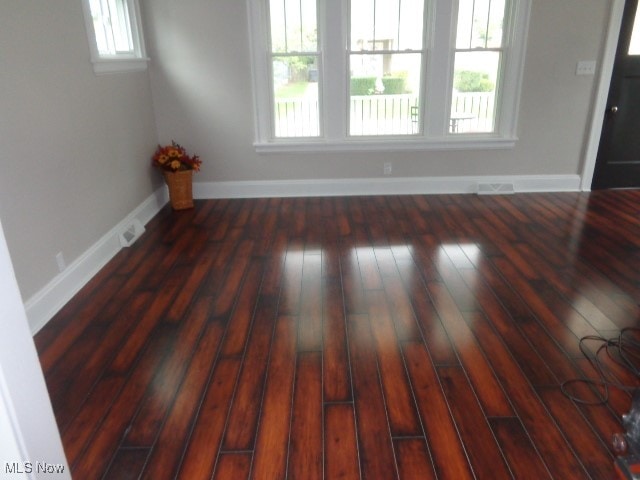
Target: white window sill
[(119, 65), (452, 142)]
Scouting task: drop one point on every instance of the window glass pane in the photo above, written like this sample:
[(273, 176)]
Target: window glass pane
[(634, 46), (474, 92), (295, 94), (278, 33), (104, 39), (293, 26), (411, 25), (495, 25), (309, 24), (362, 24), (465, 23), (384, 94), (479, 27), (386, 24), (121, 26), (480, 24), (112, 26)]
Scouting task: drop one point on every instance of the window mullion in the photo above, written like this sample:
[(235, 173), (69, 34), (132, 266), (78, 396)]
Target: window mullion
[(473, 15), (333, 25), (512, 64), (286, 27), (486, 40), (399, 22), (301, 23), (440, 68)]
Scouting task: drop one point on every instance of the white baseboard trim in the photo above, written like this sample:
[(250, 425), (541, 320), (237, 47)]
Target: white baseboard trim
[(42, 306), (382, 186)]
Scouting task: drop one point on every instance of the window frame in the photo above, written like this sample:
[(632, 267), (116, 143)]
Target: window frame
[(118, 62), (437, 85)]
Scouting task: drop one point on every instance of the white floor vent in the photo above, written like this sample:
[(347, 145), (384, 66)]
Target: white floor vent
[(495, 188), (130, 234)]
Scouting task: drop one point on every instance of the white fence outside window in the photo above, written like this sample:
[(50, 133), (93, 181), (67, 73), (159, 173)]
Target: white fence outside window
[(385, 114)]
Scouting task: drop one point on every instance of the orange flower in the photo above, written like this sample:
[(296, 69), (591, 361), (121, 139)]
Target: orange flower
[(174, 157)]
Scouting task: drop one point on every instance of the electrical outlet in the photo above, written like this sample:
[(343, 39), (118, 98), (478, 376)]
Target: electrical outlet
[(586, 68), (60, 261), (388, 168)]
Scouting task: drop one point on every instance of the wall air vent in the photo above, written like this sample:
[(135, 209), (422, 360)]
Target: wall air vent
[(131, 233), (495, 188)]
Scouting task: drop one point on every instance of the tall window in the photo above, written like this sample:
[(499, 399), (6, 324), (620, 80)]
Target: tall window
[(478, 55), (387, 74), (385, 66), (294, 68), (115, 35)]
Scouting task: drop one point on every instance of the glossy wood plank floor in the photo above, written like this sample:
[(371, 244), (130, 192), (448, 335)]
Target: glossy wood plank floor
[(361, 337)]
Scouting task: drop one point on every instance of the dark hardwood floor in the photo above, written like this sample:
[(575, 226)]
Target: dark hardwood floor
[(360, 337)]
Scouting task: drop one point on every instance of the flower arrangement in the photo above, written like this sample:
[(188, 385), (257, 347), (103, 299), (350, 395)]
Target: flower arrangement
[(173, 158)]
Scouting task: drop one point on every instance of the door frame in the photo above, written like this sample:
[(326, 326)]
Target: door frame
[(602, 93), (28, 429)]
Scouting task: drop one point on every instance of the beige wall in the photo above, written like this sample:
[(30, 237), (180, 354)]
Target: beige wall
[(202, 97), (75, 146)]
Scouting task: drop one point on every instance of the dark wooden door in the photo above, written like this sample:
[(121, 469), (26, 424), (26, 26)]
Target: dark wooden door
[(618, 161)]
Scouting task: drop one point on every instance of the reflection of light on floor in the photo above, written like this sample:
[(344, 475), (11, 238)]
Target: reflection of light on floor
[(578, 217), (292, 257), (592, 313), (402, 251), (294, 261), (291, 277), (457, 265), (462, 255), (621, 310), (472, 251), (399, 251)]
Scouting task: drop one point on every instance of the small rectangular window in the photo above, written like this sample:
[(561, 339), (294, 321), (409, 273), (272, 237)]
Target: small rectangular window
[(112, 25), (115, 35)]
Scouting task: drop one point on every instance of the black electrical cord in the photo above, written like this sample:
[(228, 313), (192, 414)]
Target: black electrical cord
[(624, 350)]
